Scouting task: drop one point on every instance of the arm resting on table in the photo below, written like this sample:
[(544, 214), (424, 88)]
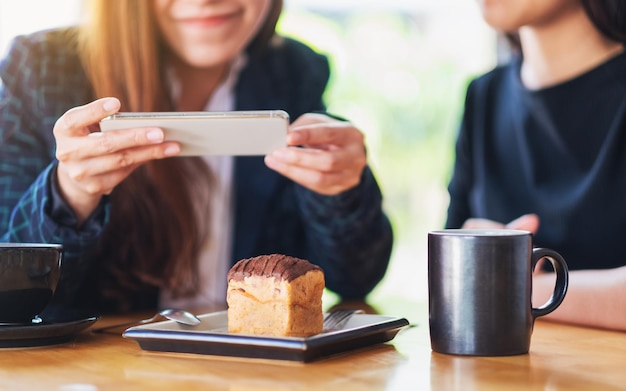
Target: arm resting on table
[(595, 298)]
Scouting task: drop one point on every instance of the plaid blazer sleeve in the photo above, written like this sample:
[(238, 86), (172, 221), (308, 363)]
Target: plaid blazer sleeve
[(351, 234), (32, 96)]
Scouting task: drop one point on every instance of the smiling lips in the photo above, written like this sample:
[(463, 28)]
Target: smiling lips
[(208, 21)]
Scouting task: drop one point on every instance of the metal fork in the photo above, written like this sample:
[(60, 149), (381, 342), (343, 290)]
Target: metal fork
[(336, 319)]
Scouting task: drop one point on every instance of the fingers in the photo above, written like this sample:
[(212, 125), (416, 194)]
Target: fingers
[(312, 118), (477, 223), (101, 143), (318, 130), (93, 169), (528, 222), (332, 160), (324, 172), (76, 121), (79, 121), (99, 174), (92, 163), (96, 185), (329, 160)]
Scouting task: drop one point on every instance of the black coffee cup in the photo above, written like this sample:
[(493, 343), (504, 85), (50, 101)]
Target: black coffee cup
[(29, 274), (480, 288)]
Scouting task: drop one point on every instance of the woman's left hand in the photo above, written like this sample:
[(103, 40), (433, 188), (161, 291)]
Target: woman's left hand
[(323, 154), (527, 222)]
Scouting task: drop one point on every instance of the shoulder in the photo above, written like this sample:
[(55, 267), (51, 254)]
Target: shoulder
[(489, 82), (43, 70), (289, 51), (41, 49), (496, 81), (286, 74), (485, 97), (293, 60), (43, 58), (292, 53)]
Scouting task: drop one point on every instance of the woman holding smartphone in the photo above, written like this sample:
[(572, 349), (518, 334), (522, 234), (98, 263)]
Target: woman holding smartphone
[(143, 228), (542, 147)]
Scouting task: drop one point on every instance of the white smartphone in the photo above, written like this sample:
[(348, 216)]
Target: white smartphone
[(212, 133)]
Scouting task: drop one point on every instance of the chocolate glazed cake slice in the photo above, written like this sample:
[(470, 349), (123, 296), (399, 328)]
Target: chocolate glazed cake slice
[(275, 295)]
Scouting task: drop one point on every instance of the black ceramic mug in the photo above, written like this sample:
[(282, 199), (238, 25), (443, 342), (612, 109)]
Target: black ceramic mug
[(480, 288), (29, 273)]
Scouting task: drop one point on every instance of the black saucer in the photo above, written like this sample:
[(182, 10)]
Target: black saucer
[(56, 326)]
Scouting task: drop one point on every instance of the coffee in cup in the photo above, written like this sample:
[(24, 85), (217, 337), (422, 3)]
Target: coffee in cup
[(29, 273), (480, 288)]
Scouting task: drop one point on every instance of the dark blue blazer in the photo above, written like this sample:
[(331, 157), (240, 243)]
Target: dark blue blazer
[(348, 235)]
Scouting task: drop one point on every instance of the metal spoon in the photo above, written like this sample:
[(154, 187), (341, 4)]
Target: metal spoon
[(180, 316)]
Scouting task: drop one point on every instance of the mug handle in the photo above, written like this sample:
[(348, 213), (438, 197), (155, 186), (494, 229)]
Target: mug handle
[(562, 279)]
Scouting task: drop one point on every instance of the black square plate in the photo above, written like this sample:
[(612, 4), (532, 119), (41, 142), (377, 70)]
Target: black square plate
[(212, 337)]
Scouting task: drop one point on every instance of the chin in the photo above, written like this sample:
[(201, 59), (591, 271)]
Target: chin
[(501, 23), (208, 58), (503, 17), (206, 62)]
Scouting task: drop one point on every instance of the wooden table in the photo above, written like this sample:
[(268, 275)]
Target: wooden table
[(562, 357)]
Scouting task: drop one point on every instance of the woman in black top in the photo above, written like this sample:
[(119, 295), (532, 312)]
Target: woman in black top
[(544, 138)]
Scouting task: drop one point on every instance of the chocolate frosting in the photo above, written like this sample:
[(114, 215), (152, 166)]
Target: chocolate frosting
[(272, 265)]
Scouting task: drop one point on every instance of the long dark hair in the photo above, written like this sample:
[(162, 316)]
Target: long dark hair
[(608, 16), (159, 215)]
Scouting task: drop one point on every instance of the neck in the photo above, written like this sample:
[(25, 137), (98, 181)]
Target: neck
[(197, 84), (562, 49)]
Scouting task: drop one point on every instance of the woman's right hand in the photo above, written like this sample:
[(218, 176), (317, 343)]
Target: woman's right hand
[(92, 163)]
